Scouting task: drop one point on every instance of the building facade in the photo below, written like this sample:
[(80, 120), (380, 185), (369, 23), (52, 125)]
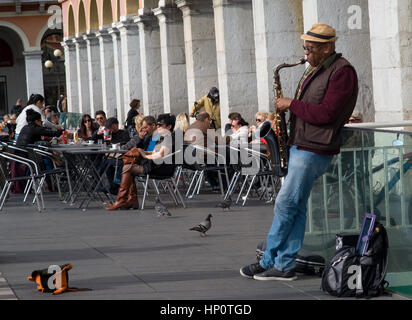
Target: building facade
[(29, 34), (168, 53)]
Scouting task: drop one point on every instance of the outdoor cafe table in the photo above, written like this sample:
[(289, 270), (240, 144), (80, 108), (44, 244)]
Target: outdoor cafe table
[(89, 162)]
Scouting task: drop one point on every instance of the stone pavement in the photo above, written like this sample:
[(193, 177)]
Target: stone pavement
[(135, 255)]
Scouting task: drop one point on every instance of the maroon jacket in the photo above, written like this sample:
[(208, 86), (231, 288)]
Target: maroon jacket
[(326, 101)]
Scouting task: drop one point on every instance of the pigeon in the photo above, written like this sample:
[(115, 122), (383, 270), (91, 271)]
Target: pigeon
[(161, 209), (225, 204), (204, 226)]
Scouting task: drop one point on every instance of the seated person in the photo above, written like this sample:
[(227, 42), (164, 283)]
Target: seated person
[(118, 135), (182, 122), (33, 131), (239, 130), (261, 116), (143, 141), (30, 134), (87, 127), (197, 134), (12, 126), (100, 117), (36, 103), (55, 118), (197, 131), (127, 195)]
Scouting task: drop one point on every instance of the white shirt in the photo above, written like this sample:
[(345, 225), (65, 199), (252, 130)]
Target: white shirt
[(239, 137), (21, 120)]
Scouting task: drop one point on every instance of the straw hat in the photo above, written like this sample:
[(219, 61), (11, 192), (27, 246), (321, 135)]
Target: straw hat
[(320, 32)]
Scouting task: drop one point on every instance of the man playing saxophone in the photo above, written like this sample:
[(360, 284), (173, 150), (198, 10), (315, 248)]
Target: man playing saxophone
[(325, 98)]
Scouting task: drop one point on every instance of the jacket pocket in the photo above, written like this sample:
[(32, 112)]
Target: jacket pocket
[(316, 134)]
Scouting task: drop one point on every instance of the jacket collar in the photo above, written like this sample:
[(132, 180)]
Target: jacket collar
[(324, 65), (327, 62)]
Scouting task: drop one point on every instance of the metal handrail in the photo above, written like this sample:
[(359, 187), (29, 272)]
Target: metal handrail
[(374, 125), (340, 190)]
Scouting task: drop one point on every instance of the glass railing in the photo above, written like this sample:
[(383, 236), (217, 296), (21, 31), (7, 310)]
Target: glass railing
[(371, 174), (68, 120)]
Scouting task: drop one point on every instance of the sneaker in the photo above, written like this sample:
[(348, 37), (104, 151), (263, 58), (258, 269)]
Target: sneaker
[(252, 269), (275, 274)]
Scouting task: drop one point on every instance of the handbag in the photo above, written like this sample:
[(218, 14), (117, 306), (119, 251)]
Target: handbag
[(132, 156)]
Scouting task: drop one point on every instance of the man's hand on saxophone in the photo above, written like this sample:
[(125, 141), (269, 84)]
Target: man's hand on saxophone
[(283, 104)]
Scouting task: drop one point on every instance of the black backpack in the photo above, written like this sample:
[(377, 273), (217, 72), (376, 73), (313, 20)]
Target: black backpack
[(351, 274)]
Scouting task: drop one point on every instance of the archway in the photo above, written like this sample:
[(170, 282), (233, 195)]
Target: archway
[(82, 18), (18, 31), (94, 15), (132, 6), (71, 31), (107, 12), (12, 68), (117, 11), (54, 83)]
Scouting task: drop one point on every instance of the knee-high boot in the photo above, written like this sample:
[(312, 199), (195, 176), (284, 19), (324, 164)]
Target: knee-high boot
[(132, 199), (122, 201)]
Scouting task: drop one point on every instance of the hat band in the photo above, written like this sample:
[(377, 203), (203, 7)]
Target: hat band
[(316, 35)]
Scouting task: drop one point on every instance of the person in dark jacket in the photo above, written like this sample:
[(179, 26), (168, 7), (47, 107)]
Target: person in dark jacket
[(101, 119), (33, 131), (133, 112), (17, 108), (118, 135), (324, 100)]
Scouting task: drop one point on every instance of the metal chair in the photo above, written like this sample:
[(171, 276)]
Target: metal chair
[(5, 159), (170, 180), (264, 173), (38, 155), (219, 165), (23, 154)]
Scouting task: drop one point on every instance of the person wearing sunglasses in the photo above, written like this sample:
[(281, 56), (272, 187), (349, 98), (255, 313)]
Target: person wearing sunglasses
[(260, 117), (87, 127), (100, 117), (325, 98)]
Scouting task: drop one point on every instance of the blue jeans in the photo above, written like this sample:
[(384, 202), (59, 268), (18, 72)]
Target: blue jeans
[(286, 234)]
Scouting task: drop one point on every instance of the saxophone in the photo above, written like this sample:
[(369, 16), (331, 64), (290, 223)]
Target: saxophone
[(279, 125)]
